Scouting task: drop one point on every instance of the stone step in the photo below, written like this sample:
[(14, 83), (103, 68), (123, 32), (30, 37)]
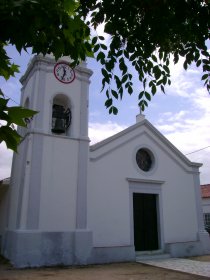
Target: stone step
[(151, 255)]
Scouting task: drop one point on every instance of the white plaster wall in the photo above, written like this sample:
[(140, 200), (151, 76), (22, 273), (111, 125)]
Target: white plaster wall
[(45, 174), (15, 182), (206, 205), (108, 198), (59, 184)]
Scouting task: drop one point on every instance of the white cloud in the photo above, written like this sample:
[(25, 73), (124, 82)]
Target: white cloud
[(188, 129), (5, 161), (100, 131)]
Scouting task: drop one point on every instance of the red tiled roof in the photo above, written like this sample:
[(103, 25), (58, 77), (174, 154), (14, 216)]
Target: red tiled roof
[(205, 191)]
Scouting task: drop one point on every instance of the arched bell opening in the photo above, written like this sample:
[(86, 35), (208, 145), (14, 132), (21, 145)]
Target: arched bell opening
[(61, 115)]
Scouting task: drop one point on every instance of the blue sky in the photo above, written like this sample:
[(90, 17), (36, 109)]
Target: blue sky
[(182, 114)]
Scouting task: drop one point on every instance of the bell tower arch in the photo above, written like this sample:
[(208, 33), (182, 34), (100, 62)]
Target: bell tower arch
[(47, 222), (61, 115)]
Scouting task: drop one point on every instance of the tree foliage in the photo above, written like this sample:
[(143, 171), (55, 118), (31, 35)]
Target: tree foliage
[(46, 27), (144, 37), (147, 35)]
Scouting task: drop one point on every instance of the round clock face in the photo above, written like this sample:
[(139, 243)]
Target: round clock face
[(64, 73), (144, 160)]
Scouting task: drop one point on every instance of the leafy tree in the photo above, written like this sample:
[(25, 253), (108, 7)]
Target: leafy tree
[(144, 36)]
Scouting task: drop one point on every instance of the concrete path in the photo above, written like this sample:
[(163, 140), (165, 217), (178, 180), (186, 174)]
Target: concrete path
[(183, 265)]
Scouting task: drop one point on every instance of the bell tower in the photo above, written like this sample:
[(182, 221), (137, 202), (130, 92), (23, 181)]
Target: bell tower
[(47, 221)]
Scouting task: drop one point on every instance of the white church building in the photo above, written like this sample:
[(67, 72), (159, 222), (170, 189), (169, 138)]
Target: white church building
[(70, 203)]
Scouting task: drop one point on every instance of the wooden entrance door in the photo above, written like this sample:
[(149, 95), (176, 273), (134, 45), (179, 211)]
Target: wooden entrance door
[(145, 222)]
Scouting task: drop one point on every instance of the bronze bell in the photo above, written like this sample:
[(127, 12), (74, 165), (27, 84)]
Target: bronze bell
[(60, 119), (59, 126)]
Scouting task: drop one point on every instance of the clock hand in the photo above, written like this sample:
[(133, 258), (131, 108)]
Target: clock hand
[(64, 73)]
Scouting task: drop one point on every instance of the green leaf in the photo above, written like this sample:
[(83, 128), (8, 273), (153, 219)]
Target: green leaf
[(166, 69), (160, 55), (3, 103), (132, 57), (96, 48), (104, 47), (159, 82), (69, 6), (205, 76), (198, 63), (17, 115), (124, 78), (101, 57), (108, 102), (107, 93), (162, 88), (141, 94), (164, 80), (105, 74), (151, 83), (205, 61), (197, 55), (185, 65), (154, 89), (114, 93), (111, 110), (147, 95), (126, 54), (118, 82), (144, 83), (130, 90), (10, 137), (120, 92), (205, 53), (141, 105), (115, 110), (119, 53), (157, 72), (154, 58), (1, 93), (145, 103), (206, 68)]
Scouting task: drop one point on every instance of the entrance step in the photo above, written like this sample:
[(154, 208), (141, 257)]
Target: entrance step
[(151, 255)]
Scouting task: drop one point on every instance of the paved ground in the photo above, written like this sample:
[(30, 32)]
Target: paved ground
[(118, 271), (183, 265)]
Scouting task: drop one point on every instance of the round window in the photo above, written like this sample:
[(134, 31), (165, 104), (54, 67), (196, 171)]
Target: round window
[(144, 159)]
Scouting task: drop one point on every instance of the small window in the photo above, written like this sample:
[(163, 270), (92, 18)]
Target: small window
[(144, 159), (206, 217)]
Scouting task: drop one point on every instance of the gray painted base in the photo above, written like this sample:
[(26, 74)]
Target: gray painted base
[(184, 249), (113, 254), (204, 238), (36, 249)]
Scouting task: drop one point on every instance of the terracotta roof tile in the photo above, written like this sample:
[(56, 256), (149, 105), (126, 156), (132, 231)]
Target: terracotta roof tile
[(205, 191)]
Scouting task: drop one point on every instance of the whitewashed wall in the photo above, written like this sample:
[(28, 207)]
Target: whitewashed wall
[(109, 209)]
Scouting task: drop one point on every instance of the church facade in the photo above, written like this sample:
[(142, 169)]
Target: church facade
[(71, 203)]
